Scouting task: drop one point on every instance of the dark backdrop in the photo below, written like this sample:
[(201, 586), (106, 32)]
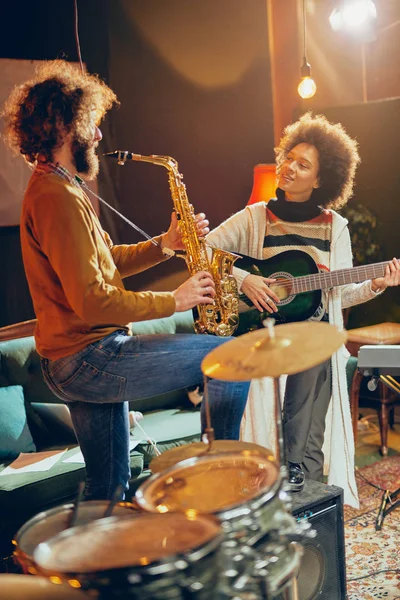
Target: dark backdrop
[(375, 126), (194, 83)]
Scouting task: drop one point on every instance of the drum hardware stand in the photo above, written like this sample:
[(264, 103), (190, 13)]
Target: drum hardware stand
[(75, 509), (290, 593), (280, 442), (74, 513), (388, 497), (280, 445), (118, 491), (208, 435)]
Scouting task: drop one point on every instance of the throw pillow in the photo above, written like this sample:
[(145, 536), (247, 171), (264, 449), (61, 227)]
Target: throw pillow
[(15, 435)]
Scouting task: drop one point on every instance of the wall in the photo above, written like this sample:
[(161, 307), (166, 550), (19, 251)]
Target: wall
[(375, 126), (194, 84)]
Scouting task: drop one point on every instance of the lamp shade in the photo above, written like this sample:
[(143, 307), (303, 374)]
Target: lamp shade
[(264, 183)]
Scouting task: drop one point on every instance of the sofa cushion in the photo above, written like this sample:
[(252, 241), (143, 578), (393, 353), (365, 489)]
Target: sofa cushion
[(167, 428), (28, 492), (20, 365), (181, 322), (15, 435)]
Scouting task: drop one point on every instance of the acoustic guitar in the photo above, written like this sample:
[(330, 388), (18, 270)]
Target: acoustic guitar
[(299, 284)]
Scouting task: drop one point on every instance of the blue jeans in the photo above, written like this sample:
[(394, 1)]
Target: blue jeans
[(98, 382)]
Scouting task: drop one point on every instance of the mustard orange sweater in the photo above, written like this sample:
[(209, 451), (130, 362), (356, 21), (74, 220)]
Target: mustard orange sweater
[(75, 272)]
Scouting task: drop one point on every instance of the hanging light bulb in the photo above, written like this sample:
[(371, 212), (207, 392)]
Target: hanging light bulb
[(307, 87)]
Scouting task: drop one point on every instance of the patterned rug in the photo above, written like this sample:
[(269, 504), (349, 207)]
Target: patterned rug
[(369, 551)]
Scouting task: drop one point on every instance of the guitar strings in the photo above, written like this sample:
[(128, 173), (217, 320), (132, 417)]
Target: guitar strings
[(315, 277)]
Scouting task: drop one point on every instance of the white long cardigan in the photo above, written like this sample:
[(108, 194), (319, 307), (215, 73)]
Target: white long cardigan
[(244, 232)]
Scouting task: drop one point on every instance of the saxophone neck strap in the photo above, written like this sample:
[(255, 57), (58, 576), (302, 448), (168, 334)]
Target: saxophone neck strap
[(166, 251)]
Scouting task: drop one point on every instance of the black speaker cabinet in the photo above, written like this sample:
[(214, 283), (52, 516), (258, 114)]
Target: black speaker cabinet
[(323, 568)]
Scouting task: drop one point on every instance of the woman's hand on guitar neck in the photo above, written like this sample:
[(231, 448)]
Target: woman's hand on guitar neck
[(257, 289), (390, 279)]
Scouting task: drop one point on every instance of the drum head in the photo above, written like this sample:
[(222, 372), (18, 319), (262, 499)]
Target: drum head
[(115, 543), (171, 457), (209, 484), (49, 523)]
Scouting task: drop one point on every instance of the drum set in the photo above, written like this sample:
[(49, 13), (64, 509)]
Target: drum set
[(213, 521)]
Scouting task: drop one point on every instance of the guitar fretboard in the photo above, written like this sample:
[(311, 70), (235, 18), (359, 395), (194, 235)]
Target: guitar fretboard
[(324, 281)]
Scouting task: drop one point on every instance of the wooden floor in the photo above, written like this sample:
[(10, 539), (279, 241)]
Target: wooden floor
[(368, 444)]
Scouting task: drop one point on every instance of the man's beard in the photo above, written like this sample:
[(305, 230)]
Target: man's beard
[(85, 159)]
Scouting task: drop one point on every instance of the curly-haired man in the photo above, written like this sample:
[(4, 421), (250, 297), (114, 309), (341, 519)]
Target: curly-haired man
[(89, 359), (316, 164)]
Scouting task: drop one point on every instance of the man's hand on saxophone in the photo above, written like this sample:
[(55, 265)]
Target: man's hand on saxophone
[(198, 289), (173, 237)]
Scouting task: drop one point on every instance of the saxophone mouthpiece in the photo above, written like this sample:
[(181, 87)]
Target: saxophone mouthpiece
[(123, 155)]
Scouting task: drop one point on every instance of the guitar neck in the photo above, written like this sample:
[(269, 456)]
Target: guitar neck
[(324, 281)]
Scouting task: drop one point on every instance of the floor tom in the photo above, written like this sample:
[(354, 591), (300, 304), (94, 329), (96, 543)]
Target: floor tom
[(152, 557)]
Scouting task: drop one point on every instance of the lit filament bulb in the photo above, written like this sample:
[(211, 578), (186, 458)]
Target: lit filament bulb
[(306, 87)]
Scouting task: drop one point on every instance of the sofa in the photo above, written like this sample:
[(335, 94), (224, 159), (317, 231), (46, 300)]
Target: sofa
[(170, 419)]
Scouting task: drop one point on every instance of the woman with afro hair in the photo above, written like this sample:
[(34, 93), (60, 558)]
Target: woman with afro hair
[(316, 164)]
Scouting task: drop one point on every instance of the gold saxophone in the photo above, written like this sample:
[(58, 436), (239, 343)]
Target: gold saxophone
[(222, 317)]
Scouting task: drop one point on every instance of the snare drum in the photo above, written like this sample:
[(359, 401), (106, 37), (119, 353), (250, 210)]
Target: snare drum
[(46, 524), (244, 490), (152, 557)]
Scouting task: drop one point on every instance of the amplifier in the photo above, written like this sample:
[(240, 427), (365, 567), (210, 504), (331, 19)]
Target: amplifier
[(323, 568)]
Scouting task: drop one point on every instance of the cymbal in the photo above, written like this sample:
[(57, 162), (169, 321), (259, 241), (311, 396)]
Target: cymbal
[(169, 458), (293, 347)]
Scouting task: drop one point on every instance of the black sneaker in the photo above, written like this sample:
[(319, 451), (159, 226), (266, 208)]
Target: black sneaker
[(296, 477)]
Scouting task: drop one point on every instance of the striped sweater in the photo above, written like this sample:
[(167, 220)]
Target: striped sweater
[(313, 237)]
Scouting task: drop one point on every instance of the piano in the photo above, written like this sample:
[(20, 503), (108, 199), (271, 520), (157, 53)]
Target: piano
[(379, 360)]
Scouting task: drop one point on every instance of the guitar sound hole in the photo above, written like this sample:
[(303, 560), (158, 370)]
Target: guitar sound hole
[(282, 287)]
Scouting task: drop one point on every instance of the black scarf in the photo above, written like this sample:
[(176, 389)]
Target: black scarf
[(295, 212)]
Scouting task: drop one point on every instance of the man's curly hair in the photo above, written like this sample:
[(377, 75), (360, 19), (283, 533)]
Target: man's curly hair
[(58, 100), (338, 156)]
